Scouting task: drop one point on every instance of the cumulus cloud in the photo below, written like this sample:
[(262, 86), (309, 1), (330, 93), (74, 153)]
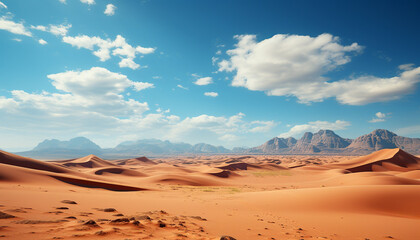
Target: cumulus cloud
[(110, 9), (89, 100), (17, 39), (89, 2), (315, 126), (42, 41), (295, 65), (2, 5), (96, 82), (138, 86), (63, 1), (211, 94), (91, 103), (57, 30), (103, 48), (380, 117), (14, 27), (204, 81)]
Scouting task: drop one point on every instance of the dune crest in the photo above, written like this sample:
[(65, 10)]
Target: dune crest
[(90, 161), (382, 160)]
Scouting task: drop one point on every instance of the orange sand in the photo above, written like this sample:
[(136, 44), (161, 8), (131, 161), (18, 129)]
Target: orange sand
[(251, 197)]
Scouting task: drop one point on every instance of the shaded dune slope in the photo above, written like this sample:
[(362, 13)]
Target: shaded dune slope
[(15, 160), (14, 168), (135, 161), (383, 160), (118, 171), (90, 161)]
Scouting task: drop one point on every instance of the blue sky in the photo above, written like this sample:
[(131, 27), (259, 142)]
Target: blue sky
[(231, 73)]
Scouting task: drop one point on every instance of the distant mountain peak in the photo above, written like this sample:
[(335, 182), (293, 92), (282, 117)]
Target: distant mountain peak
[(77, 143)]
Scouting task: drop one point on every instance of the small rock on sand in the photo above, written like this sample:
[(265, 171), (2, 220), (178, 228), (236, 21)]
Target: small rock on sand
[(91, 223), (161, 224), (227, 238), (69, 202)]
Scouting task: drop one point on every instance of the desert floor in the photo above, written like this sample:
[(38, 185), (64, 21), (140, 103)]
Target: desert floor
[(245, 197)]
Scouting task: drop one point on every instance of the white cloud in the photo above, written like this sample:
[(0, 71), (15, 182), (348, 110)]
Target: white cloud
[(60, 30), (182, 87), (375, 120), (63, 1), (294, 65), (128, 62), (110, 9), (315, 126), (17, 39), (2, 5), (13, 27), (138, 86), (211, 94), (219, 52), (406, 67), (156, 77), (90, 99), (57, 30), (103, 48), (380, 117), (96, 82), (204, 81), (42, 41), (89, 2), (92, 103)]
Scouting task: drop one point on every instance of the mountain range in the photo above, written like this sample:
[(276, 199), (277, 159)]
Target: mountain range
[(321, 142), (327, 142)]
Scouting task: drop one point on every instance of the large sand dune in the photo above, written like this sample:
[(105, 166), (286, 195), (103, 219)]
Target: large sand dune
[(250, 197)]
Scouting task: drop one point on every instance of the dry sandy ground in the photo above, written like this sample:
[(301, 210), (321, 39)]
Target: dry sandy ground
[(250, 197)]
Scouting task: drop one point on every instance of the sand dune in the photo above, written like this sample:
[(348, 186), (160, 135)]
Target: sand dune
[(15, 160), (249, 197), (118, 171), (401, 201), (238, 166), (90, 161), (135, 161), (382, 160)]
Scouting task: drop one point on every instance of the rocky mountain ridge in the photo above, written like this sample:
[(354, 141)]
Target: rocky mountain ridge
[(327, 142), (321, 142)]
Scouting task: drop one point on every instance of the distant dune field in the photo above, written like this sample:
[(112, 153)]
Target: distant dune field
[(375, 196)]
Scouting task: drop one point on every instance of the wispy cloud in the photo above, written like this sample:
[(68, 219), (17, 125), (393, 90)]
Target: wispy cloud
[(14, 27), (182, 87), (2, 5)]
